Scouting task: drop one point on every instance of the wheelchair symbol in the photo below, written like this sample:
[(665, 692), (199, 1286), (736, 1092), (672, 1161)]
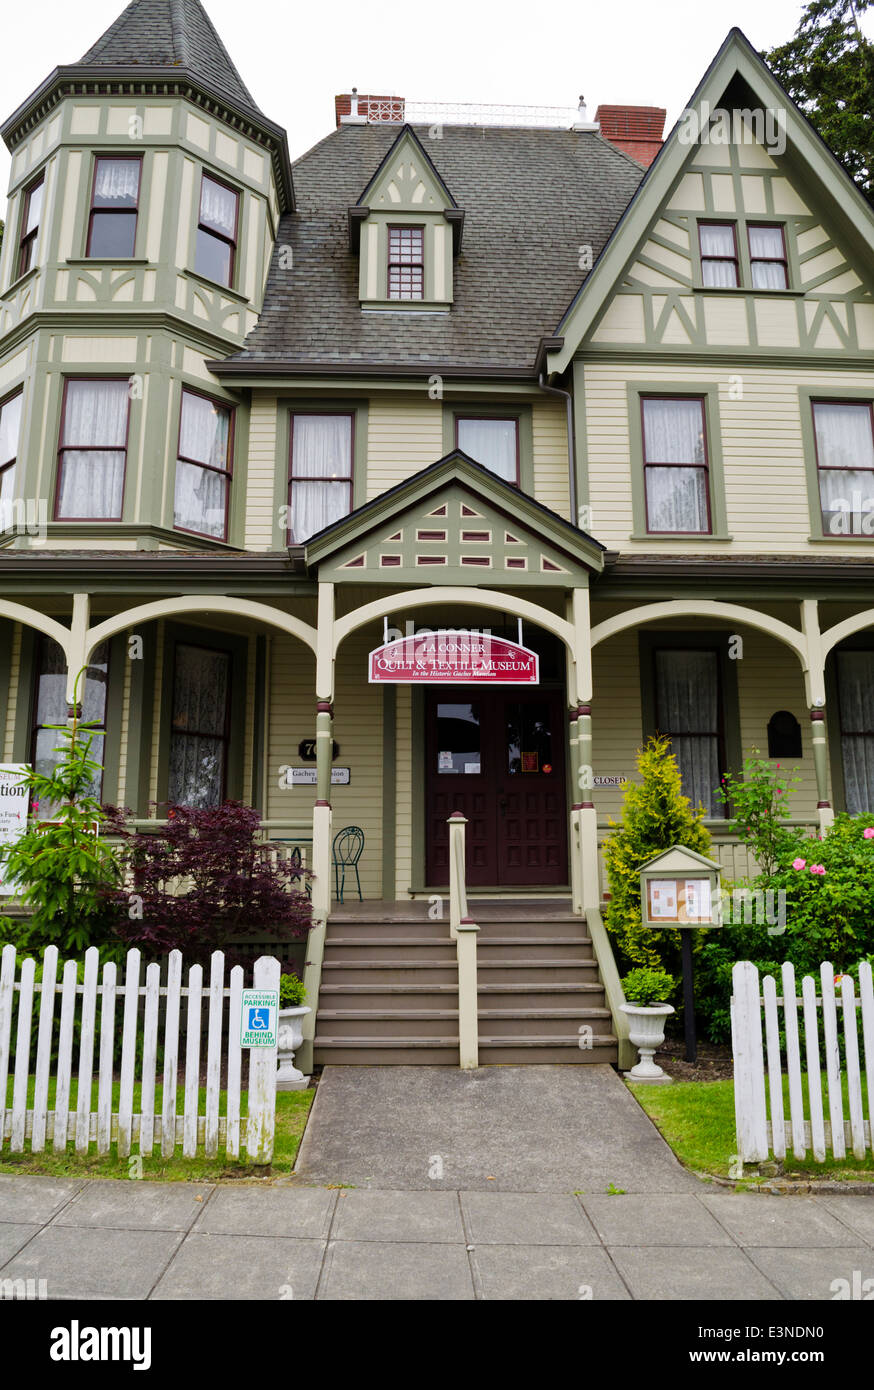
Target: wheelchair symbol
[(259, 1020)]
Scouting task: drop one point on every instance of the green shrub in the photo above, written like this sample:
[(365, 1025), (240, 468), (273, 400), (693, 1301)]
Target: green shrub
[(759, 802), (291, 992), (655, 816), (646, 987)]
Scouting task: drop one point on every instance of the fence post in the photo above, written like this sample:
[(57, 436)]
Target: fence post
[(262, 1076), (22, 1056), (749, 1068), (832, 1059), (7, 976), (465, 930)]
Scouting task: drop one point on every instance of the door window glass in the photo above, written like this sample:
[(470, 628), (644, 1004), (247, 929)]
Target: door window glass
[(529, 737), (458, 739)]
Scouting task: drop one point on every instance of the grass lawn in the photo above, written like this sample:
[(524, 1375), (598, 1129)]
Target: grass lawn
[(697, 1120), (292, 1109)]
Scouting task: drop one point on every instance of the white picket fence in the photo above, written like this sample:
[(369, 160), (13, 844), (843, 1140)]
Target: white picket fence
[(97, 1004), (762, 1126)]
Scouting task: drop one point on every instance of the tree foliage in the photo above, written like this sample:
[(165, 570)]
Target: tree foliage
[(828, 70)]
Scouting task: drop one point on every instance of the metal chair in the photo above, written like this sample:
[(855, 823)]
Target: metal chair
[(348, 846)]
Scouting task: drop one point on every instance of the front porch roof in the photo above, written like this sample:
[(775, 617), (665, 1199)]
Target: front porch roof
[(455, 522)]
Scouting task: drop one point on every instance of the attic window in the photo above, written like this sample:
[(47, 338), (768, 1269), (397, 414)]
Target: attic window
[(406, 262)]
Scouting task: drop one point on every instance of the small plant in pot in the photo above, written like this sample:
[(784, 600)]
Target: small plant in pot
[(647, 992), (291, 1014)]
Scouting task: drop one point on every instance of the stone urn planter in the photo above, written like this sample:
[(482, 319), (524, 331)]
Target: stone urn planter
[(288, 1078), (647, 1032)]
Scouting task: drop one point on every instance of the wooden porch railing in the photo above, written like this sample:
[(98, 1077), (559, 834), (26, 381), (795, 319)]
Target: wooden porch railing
[(463, 929)]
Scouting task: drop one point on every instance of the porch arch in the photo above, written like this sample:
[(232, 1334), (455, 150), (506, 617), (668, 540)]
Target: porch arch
[(31, 617), (171, 608), (833, 635), (468, 597), (708, 608)]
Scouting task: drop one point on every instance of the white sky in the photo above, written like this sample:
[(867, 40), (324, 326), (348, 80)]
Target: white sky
[(294, 56)]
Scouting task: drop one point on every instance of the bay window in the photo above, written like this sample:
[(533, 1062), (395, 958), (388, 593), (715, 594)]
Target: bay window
[(31, 214), (855, 673), (112, 224), (406, 263), (93, 449), (320, 473), (10, 425), (844, 434), (676, 480), (50, 708), (493, 442), (688, 712), (200, 726), (718, 243), (203, 466), (216, 248)]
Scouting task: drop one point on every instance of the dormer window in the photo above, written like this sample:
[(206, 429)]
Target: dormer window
[(30, 219), (406, 262), (112, 227), (216, 231)]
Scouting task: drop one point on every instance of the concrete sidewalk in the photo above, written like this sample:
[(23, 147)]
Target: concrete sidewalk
[(140, 1240)]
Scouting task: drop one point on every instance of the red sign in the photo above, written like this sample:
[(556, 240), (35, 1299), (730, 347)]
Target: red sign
[(455, 658)]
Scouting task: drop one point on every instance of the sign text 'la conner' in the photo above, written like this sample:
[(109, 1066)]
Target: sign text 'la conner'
[(471, 658)]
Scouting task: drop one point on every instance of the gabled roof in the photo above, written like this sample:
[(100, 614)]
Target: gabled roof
[(531, 198), (455, 493), (170, 33), (406, 135), (736, 79)]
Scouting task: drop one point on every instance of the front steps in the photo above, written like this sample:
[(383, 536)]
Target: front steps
[(389, 991)]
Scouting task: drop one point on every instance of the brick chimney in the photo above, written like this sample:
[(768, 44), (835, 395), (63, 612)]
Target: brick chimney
[(354, 109), (638, 130)]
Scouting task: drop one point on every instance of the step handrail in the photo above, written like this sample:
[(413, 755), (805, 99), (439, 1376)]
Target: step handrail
[(464, 930)]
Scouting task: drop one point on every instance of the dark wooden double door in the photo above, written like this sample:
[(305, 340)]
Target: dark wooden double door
[(498, 756)]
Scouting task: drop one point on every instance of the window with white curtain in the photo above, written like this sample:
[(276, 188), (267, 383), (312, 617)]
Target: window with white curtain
[(320, 474), (50, 709), (845, 459), (855, 671), (492, 442), (200, 726), (93, 450), (718, 243), (216, 231), (31, 213), (768, 265), (112, 228), (203, 466), (688, 713), (675, 466), (10, 426)]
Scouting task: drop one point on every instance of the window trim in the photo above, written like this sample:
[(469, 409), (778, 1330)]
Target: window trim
[(26, 239), (219, 236), (807, 398), (11, 463), (113, 211), (97, 448), (227, 473), (768, 260), (510, 415), (310, 410), (404, 227), (735, 259), (705, 467), (709, 393)]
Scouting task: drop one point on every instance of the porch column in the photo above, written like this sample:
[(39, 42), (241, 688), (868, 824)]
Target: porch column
[(576, 804), (76, 650), (591, 879), (819, 733), (322, 820)]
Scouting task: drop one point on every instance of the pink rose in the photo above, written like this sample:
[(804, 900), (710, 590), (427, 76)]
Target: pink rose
[(799, 863), (817, 869), (868, 834)]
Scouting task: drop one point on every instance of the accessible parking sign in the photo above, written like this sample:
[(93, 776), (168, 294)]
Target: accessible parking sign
[(259, 1013)]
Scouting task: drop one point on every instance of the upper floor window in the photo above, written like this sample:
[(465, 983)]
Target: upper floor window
[(31, 213), (10, 424), (50, 709), (718, 242), (320, 474), (768, 264), (93, 449), (112, 226), (216, 231), (493, 442), (844, 432), (406, 262), (675, 466), (203, 466), (201, 722)]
